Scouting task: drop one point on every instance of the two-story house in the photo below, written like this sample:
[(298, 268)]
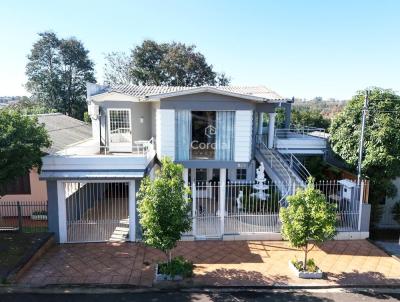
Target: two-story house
[(216, 133)]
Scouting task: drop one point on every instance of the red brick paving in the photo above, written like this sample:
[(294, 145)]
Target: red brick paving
[(227, 263)]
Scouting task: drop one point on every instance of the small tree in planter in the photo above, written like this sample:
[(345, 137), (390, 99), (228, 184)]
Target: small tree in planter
[(163, 209), (308, 218)]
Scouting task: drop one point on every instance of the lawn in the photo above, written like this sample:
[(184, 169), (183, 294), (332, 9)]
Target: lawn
[(16, 249)]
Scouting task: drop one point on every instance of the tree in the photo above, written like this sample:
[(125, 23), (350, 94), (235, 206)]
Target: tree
[(303, 117), (164, 207), (117, 69), (171, 64), (308, 218), (21, 143), (57, 72), (382, 142)]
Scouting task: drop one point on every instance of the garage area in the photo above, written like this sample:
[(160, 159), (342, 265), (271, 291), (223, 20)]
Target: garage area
[(97, 211)]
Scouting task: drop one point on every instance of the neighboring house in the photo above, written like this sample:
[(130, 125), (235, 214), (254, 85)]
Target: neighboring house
[(63, 131), (216, 133)]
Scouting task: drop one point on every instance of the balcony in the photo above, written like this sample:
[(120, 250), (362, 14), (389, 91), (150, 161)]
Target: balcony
[(301, 140), (98, 160)]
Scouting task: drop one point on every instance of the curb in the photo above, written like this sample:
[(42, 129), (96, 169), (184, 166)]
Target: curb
[(119, 289)]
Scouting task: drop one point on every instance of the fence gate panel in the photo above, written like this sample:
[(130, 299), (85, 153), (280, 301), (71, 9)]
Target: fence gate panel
[(97, 211), (206, 219), (249, 210)]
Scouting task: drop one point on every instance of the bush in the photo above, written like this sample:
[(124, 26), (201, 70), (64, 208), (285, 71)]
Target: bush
[(311, 267), (177, 266)]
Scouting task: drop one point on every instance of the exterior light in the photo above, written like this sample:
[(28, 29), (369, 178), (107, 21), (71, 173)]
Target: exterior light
[(141, 119)]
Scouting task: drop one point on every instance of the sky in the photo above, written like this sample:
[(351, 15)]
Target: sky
[(297, 48)]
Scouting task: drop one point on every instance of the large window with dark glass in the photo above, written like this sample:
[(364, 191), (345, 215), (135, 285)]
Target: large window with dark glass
[(203, 135), (207, 135)]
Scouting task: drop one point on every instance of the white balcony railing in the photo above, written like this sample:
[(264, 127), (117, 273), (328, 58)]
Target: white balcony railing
[(301, 133), (139, 148)]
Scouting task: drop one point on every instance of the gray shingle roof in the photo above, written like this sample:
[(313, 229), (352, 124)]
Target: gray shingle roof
[(151, 91), (64, 130)]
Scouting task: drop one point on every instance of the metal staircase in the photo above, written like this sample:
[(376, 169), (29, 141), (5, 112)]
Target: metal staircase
[(284, 169)]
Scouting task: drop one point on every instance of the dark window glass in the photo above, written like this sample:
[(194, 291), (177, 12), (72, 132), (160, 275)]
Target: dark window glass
[(241, 174), (203, 135), (20, 185)]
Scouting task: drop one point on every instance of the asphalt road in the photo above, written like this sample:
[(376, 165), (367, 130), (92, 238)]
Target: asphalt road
[(313, 296)]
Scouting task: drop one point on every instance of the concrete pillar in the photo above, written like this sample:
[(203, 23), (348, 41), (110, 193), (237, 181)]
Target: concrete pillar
[(186, 176), (260, 122), (62, 212), (222, 197), (288, 115), (132, 210), (271, 129)]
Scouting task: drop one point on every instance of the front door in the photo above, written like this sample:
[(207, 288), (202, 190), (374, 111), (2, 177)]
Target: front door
[(119, 130)]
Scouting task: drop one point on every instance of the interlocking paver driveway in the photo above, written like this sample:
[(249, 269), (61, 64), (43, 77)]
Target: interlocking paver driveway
[(229, 263)]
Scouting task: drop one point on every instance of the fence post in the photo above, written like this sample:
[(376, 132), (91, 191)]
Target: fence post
[(361, 188), (19, 216), (194, 201), (222, 197)]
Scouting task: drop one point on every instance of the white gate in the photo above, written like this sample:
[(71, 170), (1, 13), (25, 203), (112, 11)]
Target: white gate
[(206, 214), (119, 130), (97, 212)]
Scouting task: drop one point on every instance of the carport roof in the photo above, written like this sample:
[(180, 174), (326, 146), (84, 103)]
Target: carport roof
[(99, 175)]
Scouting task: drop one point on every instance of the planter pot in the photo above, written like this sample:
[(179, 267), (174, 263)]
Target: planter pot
[(164, 277), (38, 217), (306, 275)]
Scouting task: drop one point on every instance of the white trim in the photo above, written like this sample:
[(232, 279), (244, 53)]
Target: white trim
[(62, 212), (222, 197), (120, 147), (132, 210)]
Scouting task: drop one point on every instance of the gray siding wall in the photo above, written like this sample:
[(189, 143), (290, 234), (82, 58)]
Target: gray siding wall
[(53, 208), (140, 131), (210, 101)]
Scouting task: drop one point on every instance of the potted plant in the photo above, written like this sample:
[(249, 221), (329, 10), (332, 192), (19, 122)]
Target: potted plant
[(163, 207), (39, 215), (307, 220)]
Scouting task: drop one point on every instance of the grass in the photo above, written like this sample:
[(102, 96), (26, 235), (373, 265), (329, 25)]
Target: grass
[(16, 248)]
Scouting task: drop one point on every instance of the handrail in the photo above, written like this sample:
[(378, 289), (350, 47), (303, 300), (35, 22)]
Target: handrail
[(302, 132), (296, 165), (287, 183)]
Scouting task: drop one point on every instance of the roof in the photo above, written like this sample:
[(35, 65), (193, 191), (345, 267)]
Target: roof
[(257, 93), (63, 130)]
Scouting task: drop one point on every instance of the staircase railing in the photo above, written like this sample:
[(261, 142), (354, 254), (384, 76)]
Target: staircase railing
[(285, 183), (296, 166)]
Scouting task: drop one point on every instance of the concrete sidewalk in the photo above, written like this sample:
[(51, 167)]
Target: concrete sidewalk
[(218, 263)]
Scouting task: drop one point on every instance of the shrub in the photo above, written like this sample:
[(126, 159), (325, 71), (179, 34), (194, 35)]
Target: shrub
[(177, 266)]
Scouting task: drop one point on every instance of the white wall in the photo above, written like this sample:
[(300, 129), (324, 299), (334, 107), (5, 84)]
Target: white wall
[(243, 135), (165, 133)]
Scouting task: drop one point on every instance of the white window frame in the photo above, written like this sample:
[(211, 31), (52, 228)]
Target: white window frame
[(122, 147)]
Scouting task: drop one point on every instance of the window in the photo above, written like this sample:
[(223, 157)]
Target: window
[(203, 135), (20, 185), (201, 175), (241, 174)]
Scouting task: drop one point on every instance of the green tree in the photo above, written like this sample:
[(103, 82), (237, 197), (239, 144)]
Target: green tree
[(57, 72), (382, 142), (117, 69), (308, 218), (171, 64), (302, 118), (164, 207), (21, 143)]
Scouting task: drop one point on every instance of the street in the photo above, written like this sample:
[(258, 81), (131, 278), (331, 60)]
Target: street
[(266, 295)]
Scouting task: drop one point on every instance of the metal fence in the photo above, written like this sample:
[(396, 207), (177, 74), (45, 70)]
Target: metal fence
[(253, 207), (24, 216)]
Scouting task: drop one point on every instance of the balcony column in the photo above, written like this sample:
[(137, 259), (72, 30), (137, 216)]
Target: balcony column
[(271, 129), (222, 197), (260, 123)]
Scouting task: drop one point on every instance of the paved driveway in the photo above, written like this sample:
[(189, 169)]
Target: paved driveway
[(229, 263)]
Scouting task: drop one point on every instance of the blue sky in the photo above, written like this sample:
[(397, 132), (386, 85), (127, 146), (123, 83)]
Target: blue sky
[(298, 48)]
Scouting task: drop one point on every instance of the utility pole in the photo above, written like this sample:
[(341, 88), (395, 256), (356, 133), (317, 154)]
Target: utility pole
[(361, 147)]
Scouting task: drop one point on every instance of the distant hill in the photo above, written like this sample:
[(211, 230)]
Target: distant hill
[(328, 108)]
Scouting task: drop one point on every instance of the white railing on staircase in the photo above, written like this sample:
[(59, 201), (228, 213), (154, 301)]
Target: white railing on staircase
[(296, 167)]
